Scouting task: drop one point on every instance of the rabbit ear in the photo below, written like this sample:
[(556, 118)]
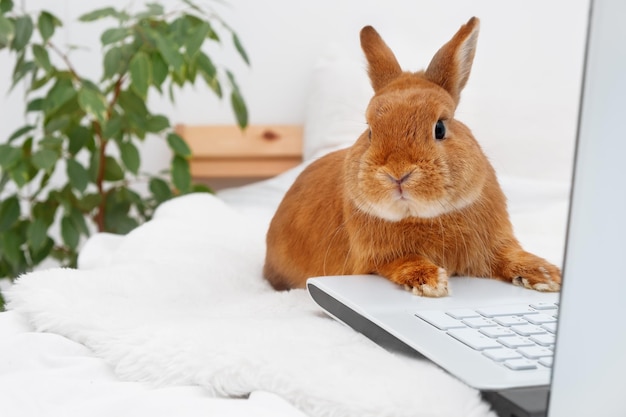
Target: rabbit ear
[(451, 65), (382, 64)]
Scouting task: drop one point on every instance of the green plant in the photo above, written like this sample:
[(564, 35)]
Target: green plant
[(87, 131)]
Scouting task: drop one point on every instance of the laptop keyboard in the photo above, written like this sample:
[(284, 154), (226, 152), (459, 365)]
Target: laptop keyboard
[(519, 337)]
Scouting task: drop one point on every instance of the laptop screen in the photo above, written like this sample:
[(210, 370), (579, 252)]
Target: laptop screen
[(590, 363)]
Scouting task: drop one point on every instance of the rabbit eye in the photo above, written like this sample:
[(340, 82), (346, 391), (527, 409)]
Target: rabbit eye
[(440, 130)]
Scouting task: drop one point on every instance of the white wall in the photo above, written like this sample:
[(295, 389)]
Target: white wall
[(521, 100)]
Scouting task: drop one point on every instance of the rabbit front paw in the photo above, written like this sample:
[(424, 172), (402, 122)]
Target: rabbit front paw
[(545, 282), (529, 271), (431, 288), (418, 275)]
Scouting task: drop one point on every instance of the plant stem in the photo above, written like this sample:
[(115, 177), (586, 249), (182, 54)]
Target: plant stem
[(99, 217), (65, 59)]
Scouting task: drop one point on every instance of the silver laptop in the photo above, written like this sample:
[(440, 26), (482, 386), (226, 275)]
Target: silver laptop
[(503, 339)]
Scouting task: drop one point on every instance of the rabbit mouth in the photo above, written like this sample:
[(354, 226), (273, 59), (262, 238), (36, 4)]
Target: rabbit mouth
[(403, 205)]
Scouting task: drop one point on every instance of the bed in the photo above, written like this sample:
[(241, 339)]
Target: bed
[(175, 318)]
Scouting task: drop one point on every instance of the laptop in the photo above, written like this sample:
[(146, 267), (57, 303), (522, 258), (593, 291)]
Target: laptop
[(577, 363)]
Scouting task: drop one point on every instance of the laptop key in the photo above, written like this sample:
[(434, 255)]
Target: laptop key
[(474, 339), (478, 322), (551, 327), (498, 331), (502, 354), (439, 319), (545, 339), (535, 352), (462, 313), (544, 306), (514, 342), (515, 310), (528, 330), (540, 319), (547, 361), (520, 364), (510, 320)]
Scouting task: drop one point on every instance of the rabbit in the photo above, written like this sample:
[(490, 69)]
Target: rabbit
[(414, 199)]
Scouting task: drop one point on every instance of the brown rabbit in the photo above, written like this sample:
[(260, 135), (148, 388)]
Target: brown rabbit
[(414, 199)]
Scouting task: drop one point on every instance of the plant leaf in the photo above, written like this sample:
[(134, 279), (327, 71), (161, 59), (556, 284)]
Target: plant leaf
[(99, 14), (78, 220), (112, 127), (201, 188), (130, 156), (41, 58), (7, 32), (169, 51), (114, 35), (36, 84), (6, 6), (92, 103), (20, 173), (181, 175), (196, 39), (20, 132), (58, 123), (52, 142), (45, 159), (178, 145), (116, 218), (209, 73), (112, 62), (240, 49), (160, 190), (45, 210), (12, 244), (140, 73), (157, 123), (132, 103), (159, 69), (9, 213), (60, 93), (9, 156), (21, 69), (178, 30), (89, 202), (39, 255), (205, 65), (37, 233), (239, 108), (117, 221), (78, 137), (78, 175), (237, 102), (69, 232), (46, 25), (23, 31), (35, 105), (112, 170)]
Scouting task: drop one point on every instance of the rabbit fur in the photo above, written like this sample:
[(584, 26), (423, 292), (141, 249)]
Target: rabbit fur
[(414, 199)]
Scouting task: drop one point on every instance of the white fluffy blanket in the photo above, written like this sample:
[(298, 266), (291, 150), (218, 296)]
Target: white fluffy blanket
[(181, 300)]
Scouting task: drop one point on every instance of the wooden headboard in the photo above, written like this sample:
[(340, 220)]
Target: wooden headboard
[(225, 151)]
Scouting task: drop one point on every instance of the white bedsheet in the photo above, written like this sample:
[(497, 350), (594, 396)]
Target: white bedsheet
[(127, 334)]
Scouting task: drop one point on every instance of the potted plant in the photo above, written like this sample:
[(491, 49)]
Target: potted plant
[(89, 129)]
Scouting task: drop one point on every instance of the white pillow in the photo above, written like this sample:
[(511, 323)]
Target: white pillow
[(525, 132), (335, 113)]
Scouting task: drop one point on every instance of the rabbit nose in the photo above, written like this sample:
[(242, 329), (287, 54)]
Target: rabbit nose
[(400, 180)]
